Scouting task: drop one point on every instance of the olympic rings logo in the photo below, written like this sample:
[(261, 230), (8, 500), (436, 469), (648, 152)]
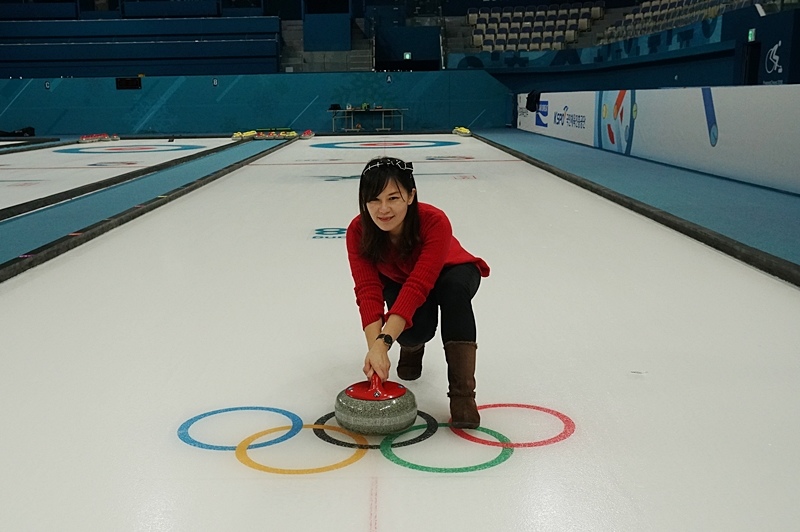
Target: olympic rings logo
[(360, 445)]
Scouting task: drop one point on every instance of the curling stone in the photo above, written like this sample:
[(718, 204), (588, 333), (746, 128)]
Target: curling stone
[(375, 407)]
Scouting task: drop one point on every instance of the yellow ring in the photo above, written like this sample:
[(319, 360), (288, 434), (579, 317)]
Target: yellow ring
[(243, 457)]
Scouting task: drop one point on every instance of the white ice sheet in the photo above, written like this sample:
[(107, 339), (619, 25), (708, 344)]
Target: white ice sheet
[(677, 365)]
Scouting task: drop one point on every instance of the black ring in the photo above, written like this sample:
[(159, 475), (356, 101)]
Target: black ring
[(433, 426)]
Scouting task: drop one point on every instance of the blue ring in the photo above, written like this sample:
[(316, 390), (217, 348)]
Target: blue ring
[(357, 145), (183, 430)]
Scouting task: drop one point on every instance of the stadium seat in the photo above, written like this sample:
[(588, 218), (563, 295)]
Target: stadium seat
[(585, 22), (505, 23), (477, 37), (598, 10), (571, 33)]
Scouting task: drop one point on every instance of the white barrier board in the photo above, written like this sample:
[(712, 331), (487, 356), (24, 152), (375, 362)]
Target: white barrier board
[(745, 133)]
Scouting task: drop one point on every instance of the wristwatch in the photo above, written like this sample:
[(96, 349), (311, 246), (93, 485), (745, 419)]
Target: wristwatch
[(388, 340)]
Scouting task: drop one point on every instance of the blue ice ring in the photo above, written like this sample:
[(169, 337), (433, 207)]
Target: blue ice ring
[(183, 430)]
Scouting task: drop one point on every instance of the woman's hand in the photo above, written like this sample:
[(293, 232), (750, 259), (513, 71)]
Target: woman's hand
[(377, 361)]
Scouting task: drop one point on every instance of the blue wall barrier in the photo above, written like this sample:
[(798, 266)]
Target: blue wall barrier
[(436, 101)]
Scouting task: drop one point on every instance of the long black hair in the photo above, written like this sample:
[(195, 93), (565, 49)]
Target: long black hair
[(377, 173)]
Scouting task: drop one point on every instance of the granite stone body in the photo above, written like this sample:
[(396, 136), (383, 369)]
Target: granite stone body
[(375, 417)]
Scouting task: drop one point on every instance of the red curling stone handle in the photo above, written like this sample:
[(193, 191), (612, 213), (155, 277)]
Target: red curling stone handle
[(375, 390)]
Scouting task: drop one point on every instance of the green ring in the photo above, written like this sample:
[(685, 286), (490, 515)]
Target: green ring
[(388, 452)]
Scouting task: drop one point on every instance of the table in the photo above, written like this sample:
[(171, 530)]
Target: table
[(348, 117)]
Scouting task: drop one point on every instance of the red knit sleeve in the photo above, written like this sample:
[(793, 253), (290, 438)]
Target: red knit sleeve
[(368, 286), (437, 235)]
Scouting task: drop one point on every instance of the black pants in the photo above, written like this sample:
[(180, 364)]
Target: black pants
[(452, 293)]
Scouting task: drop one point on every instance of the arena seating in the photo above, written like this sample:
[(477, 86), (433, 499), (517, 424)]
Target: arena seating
[(539, 27), (652, 16)]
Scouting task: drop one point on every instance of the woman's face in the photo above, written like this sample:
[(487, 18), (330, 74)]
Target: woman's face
[(389, 209)]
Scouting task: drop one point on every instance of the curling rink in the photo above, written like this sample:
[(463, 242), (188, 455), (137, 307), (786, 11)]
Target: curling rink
[(28, 175), (168, 375)]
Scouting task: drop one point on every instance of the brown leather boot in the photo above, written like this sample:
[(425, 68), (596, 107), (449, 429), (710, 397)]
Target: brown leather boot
[(461, 375), (409, 367)]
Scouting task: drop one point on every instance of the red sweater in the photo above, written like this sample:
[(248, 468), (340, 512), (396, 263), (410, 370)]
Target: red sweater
[(417, 274)]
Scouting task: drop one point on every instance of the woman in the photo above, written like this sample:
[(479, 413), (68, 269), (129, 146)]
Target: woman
[(403, 254)]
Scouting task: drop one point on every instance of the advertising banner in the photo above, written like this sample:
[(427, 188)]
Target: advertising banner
[(745, 133), (565, 115)]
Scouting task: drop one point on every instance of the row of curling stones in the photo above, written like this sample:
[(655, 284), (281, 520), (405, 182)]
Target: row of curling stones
[(375, 407)]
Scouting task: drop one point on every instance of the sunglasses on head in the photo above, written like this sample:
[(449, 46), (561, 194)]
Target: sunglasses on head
[(388, 161)]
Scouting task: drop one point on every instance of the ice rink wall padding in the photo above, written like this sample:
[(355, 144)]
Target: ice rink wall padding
[(224, 104)]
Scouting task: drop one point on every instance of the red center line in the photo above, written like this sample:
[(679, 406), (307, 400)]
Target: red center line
[(133, 148), (373, 505), (415, 162)]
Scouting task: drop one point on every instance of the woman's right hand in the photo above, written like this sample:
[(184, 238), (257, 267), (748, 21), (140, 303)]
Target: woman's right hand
[(377, 361)]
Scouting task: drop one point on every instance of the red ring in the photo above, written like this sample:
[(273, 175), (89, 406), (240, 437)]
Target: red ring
[(385, 144), (569, 428)]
